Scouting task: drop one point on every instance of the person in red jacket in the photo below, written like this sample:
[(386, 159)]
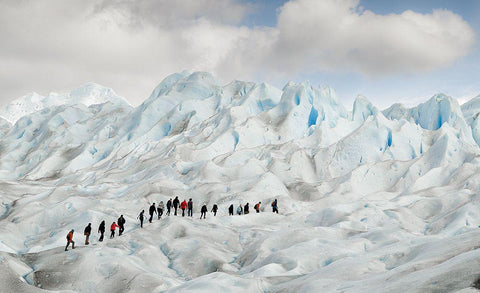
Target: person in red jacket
[(183, 206), (257, 207), (70, 240), (112, 229)]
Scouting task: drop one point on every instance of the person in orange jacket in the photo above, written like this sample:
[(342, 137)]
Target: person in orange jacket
[(70, 240), (183, 206), (112, 229)]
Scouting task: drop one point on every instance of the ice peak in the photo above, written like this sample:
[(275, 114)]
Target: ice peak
[(441, 97), (198, 84), (92, 93), (471, 109), (395, 112), (202, 76), (430, 115), (436, 111), (362, 108)]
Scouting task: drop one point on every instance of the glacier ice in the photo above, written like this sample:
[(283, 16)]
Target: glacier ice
[(391, 196)]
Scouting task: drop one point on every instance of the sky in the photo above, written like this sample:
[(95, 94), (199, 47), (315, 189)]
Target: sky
[(388, 51)]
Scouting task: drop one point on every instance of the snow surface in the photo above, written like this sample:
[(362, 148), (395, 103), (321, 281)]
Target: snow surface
[(369, 200)]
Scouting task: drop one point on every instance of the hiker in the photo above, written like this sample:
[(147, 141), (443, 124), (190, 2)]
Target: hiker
[(70, 240), (183, 206), (203, 211), (176, 202), (190, 208), (230, 210), (169, 207), (239, 210), (246, 209), (121, 223), (214, 209), (257, 207), (160, 209), (152, 210), (101, 230), (87, 232), (274, 206), (112, 229), (141, 218)]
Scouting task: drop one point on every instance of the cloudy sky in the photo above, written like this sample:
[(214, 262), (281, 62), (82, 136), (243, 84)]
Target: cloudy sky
[(389, 51)]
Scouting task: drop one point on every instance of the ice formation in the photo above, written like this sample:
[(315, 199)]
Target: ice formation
[(370, 200)]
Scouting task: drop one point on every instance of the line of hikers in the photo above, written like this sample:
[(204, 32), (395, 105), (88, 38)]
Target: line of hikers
[(246, 208), (184, 205), (101, 229)]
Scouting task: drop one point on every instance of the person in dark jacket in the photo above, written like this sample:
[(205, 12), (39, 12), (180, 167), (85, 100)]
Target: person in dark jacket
[(152, 210), (101, 230), (183, 206), (215, 209), (140, 217), (121, 223), (246, 209), (190, 208), (176, 203), (112, 229), (160, 209), (230, 210), (274, 206), (70, 240), (203, 211), (87, 232), (169, 207)]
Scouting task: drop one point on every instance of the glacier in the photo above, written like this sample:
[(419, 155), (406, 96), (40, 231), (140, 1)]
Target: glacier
[(369, 199)]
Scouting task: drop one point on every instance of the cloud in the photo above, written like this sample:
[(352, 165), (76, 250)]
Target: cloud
[(329, 35), (171, 14), (131, 45), (339, 36)]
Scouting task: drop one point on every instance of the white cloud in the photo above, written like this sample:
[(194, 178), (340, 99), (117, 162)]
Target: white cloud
[(167, 13), (131, 45), (337, 35)]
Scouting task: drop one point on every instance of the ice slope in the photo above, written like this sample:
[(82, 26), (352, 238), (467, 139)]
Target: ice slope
[(433, 114), (4, 126), (378, 201), (60, 139), (471, 110), (88, 94)]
